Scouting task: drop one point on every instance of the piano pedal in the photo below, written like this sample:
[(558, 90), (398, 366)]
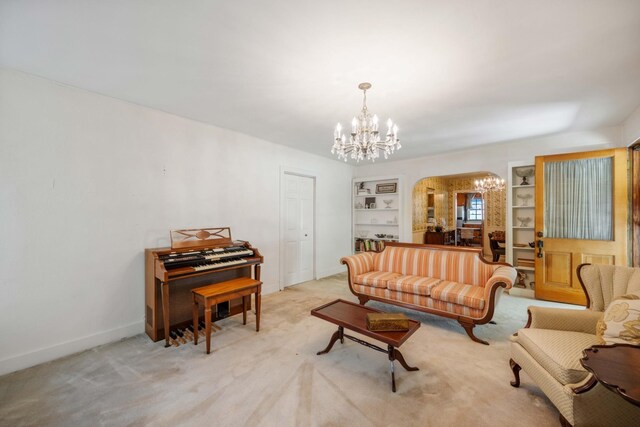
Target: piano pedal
[(180, 336), (187, 334), (173, 339)]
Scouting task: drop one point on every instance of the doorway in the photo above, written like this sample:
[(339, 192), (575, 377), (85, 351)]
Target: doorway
[(297, 248), (469, 212)]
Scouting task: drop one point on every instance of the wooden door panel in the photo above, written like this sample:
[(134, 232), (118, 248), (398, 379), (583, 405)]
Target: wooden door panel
[(597, 259), (557, 258), (557, 269)]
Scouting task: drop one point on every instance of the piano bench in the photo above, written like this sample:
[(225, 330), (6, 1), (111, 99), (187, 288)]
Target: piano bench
[(211, 295)]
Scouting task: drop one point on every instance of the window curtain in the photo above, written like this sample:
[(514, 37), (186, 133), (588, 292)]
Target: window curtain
[(578, 199)]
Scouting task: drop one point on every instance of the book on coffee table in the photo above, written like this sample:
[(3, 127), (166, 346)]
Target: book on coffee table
[(387, 322)]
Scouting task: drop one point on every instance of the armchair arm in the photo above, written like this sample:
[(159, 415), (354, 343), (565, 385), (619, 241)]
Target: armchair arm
[(359, 263), (562, 319)]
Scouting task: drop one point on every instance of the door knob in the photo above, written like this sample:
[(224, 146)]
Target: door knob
[(540, 246)]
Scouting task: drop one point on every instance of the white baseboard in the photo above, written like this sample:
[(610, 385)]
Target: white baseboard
[(32, 358), (331, 272)]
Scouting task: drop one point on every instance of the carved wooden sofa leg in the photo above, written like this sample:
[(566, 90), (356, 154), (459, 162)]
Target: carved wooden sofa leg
[(363, 300), (468, 327), (516, 373)]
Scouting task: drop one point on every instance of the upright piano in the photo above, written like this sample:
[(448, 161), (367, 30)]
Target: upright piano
[(197, 257)]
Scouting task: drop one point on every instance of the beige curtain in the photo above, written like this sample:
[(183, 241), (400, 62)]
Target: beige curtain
[(578, 199)]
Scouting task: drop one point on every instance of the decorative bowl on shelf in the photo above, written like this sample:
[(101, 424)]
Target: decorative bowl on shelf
[(379, 236), (363, 233), (524, 221), (524, 173), (525, 198), (388, 202)]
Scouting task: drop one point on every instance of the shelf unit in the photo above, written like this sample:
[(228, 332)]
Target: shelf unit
[(522, 207), (366, 221)]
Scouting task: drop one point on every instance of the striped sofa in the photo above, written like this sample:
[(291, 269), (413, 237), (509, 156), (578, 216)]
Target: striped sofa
[(449, 281)]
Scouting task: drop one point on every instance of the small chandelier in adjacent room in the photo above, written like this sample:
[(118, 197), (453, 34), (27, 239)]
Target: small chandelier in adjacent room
[(364, 140), (490, 183)]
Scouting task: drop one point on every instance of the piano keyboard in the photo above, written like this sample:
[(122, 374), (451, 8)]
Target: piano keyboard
[(220, 264), (206, 259), (225, 254)]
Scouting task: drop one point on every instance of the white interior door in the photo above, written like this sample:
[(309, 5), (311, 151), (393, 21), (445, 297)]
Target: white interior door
[(298, 229)]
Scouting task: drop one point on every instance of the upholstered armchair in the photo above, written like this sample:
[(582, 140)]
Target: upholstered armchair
[(549, 349)]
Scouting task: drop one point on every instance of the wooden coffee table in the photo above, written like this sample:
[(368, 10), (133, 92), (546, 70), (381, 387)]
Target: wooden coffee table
[(353, 317)]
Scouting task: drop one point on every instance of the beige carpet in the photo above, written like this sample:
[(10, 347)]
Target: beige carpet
[(274, 378)]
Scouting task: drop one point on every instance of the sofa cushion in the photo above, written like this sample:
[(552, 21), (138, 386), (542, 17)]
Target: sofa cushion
[(459, 293), (377, 279), (428, 302), (417, 285), (558, 352), (455, 265)]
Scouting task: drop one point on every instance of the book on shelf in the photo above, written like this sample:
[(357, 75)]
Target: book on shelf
[(525, 262), (366, 245)]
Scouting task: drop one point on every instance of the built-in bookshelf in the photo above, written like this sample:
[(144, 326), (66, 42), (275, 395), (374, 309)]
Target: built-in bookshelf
[(520, 224), (377, 212)]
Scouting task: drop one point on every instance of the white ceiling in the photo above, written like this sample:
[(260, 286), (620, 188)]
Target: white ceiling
[(452, 74)]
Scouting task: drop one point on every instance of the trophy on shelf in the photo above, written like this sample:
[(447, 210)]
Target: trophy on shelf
[(524, 174)]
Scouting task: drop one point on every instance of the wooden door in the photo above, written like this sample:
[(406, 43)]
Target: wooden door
[(298, 229), (581, 217)]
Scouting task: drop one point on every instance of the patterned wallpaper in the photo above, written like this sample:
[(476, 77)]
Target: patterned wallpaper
[(445, 189), (420, 201)]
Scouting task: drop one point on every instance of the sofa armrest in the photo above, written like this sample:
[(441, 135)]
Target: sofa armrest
[(359, 263), (564, 319), (504, 274)]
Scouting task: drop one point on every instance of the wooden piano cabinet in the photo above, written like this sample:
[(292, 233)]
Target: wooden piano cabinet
[(180, 313), (196, 258)]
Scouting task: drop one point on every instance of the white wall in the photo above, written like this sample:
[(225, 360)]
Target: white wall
[(631, 128), (492, 158), (87, 182)]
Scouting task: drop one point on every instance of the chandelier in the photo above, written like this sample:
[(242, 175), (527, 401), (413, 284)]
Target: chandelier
[(490, 183), (364, 140)]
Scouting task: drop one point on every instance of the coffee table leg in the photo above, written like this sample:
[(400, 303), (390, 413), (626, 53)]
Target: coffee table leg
[(394, 354), (393, 376), (335, 337), (398, 356), (341, 332)]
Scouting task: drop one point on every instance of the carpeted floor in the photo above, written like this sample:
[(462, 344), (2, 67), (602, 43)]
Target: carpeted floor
[(274, 378)]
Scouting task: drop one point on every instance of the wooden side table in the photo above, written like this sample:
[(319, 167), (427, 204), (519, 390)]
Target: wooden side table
[(211, 295), (617, 367)]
